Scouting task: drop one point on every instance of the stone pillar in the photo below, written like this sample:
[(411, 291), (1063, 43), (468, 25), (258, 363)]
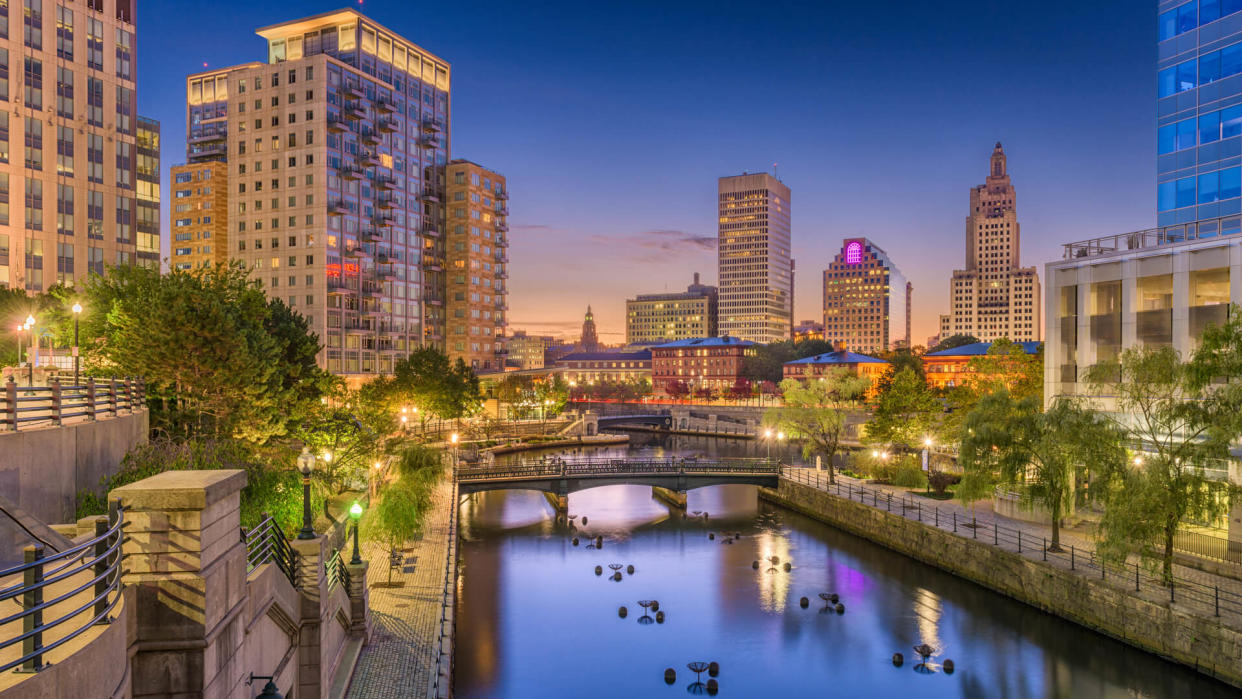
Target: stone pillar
[(1182, 341), (311, 557), (1130, 304), (359, 602), (590, 424), (672, 497), (186, 565)]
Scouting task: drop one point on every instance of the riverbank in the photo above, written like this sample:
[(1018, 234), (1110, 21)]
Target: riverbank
[(1179, 623), (410, 650), (691, 433), (599, 440)]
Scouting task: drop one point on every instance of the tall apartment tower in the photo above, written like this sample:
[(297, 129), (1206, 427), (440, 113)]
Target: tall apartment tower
[(994, 296), (147, 175), (69, 151), (866, 299), (335, 150), (755, 268), (1198, 116), (199, 213), (476, 252)]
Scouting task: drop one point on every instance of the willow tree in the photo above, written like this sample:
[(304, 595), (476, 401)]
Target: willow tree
[(1183, 416), (816, 411)]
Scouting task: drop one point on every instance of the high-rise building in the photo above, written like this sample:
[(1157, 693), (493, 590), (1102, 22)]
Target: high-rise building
[(660, 318), (589, 341), (336, 148), (866, 299), (755, 268), (199, 213), (69, 151), (147, 175), (527, 351), (476, 256), (1199, 116), (994, 296)]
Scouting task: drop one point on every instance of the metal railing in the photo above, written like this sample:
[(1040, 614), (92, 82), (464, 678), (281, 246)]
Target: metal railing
[(1153, 237), (1210, 599), (266, 543), (441, 681), (38, 406), (1205, 546), (95, 565), (586, 468), (338, 573)]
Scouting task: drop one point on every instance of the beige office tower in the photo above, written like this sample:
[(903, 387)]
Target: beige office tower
[(336, 148), (199, 214), (994, 296), (68, 142), (476, 253), (755, 269)]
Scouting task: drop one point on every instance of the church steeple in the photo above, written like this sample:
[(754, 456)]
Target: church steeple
[(590, 339)]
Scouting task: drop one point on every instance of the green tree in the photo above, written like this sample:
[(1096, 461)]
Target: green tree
[(349, 431), (815, 412), (768, 361), (1044, 455), (517, 393), (906, 412), (1183, 416), (1007, 366), (436, 386), (952, 342), (402, 507)]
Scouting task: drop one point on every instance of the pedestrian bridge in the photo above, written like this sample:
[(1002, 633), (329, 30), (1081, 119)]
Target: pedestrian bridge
[(560, 477)]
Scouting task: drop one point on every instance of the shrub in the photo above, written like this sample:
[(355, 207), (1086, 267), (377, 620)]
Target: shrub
[(908, 473), (941, 480)]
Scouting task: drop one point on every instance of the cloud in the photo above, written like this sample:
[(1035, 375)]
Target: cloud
[(658, 244), (535, 227)]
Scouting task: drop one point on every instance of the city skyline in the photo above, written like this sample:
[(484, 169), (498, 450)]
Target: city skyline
[(860, 166)]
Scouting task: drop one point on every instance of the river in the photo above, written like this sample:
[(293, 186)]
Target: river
[(534, 620)]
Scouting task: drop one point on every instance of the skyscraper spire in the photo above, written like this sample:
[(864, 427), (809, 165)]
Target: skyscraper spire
[(998, 161)]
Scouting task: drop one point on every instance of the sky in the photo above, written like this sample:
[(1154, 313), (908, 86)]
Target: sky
[(612, 121)]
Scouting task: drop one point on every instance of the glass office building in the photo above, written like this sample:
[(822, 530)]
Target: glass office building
[(1199, 116)]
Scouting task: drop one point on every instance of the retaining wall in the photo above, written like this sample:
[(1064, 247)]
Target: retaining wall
[(1202, 643)]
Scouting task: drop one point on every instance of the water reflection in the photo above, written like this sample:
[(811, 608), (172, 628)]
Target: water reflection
[(535, 621)]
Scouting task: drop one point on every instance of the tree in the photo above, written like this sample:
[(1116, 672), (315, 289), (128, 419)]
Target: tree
[(436, 386), (899, 359), (517, 393), (351, 428), (906, 411), (403, 504), (815, 411), (953, 341), (1183, 421), (741, 389), (1006, 365), (768, 361), (1010, 440), (678, 389)]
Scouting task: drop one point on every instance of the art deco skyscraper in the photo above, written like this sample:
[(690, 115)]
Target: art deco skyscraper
[(994, 296), (76, 163), (755, 268)]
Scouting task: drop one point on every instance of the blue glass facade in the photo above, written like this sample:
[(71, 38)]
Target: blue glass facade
[(1199, 111)]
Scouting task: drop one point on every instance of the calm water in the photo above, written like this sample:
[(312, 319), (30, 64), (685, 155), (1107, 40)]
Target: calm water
[(535, 621)]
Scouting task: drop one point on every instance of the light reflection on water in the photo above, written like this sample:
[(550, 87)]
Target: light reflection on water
[(535, 621)]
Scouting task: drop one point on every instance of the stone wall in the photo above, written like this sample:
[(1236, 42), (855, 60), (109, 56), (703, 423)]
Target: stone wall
[(43, 469), (1196, 641)]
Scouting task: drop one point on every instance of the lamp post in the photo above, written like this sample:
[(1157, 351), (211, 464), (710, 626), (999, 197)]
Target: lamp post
[(767, 438), (306, 464), (270, 690), (30, 321), (927, 442), (453, 441), (780, 437), (19, 330), (355, 513), (77, 310)]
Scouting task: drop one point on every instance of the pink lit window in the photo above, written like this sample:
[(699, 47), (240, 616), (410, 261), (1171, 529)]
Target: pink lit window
[(853, 253)]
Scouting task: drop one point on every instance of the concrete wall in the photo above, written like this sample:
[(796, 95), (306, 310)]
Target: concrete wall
[(1198, 642), (43, 469)]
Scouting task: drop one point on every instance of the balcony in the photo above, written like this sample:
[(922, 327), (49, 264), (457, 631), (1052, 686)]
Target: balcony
[(433, 298), (369, 235), (385, 201), (385, 183), (353, 92), (354, 252), (388, 125), (383, 218), (386, 106), (354, 111), (502, 211), (369, 158), (372, 290), (349, 172), (501, 226), (371, 138), (429, 197), (432, 126), (500, 256), (208, 137), (502, 241), (338, 208), (385, 272), (339, 290), (501, 273), (430, 232), (209, 149), (429, 142), (502, 195), (502, 305), (337, 125), (384, 258)]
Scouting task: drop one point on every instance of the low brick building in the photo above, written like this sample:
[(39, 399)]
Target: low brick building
[(948, 368), (820, 364), (605, 365), (701, 363)]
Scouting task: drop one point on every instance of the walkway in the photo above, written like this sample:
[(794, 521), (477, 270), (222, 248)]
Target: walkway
[(1193, 591), (401, 657)]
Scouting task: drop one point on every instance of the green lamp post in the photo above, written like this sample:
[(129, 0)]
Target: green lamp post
[(355, 512)]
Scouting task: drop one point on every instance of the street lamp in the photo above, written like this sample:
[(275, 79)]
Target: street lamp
[(19, 330), (355, 513), (927, 442), (269, 690), (767, 437), (306, 464), (453, 441), (77, 310), (379, 465), (30, 321)]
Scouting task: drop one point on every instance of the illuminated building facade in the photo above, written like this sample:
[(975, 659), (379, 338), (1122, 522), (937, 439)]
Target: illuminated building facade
[(755, 267), (659, 318), (994, 296), (701, 363), (476, 252), (866, 299), (199, 213)]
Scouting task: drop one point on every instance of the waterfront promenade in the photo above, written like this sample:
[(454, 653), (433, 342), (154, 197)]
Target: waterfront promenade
[(401, 658)]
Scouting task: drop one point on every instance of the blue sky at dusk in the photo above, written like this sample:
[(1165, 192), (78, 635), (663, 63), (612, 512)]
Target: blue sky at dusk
[(612, 121)]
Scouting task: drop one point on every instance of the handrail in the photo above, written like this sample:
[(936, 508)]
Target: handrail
[(338, 572), (587, 468), (99, 557), (59, 403), (1083, 561), (266, 543)]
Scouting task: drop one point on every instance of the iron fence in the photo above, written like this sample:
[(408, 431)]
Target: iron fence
[(91, 568), (338, 573), (1205, 598), (587, 467), (441, 683), (1205, 546), (38, 406), (266, 543)]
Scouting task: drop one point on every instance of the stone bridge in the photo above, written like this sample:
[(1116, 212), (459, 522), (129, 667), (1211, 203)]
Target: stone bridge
[(670, 478)]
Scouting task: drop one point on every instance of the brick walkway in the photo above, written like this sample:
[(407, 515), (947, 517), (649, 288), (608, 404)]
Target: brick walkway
[(401, 656), (1195, 591)]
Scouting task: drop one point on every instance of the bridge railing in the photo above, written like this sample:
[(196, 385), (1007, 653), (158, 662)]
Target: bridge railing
[(606, 467)]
